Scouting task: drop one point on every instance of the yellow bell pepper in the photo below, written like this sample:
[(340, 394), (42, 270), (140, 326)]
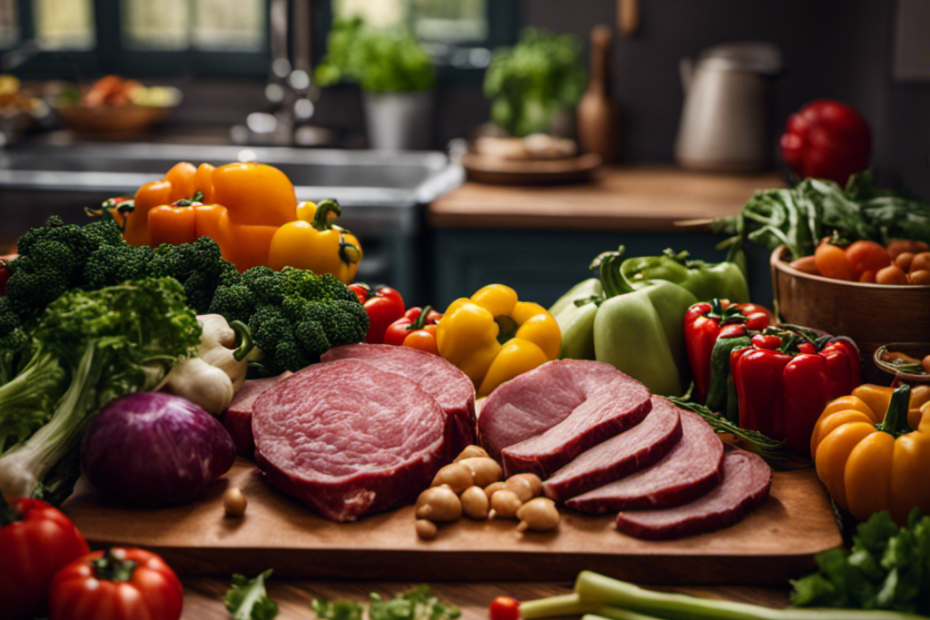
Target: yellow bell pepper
[(872, 450), (493, 337), (313, 242)]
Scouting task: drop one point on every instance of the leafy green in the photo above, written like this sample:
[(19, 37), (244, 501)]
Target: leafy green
[(530, 82), (95, 346), (800, 216), (418, 603), (379, 60), (247, 599), (888, 567)]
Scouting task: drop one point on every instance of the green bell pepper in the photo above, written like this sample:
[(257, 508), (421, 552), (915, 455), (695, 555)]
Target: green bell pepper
[(637, 331), (724, 280)]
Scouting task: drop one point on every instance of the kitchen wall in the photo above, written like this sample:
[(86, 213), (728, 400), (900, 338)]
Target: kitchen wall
[(833, 48)]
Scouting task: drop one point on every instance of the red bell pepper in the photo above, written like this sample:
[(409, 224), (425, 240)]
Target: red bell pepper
[(384, 306), (417, 329), (703, 324), (785, 379), (826, 140)]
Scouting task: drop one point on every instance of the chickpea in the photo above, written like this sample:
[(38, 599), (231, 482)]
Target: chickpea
[(234, 502), (426, 529), (505, 504), (470, 452), (456, 475), (475, 503), (438, 504), (484, 470), (493, 488), (539, 515), (526, 486)]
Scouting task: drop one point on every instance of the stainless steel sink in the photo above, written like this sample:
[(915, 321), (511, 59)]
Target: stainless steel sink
[(382, 193)]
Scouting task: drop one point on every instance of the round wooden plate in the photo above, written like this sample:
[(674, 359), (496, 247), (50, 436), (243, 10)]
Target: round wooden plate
[(484, 169)]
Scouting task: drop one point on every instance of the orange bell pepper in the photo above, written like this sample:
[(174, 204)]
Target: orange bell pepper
[(255, 194)]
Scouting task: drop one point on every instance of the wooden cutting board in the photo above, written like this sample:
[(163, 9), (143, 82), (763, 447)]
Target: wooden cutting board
[(772, 544)]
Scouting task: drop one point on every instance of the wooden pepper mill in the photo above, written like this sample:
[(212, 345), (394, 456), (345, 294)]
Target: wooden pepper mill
[(598, 115)]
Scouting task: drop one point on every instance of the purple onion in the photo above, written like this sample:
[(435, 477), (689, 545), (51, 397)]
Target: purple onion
[(155, 449)]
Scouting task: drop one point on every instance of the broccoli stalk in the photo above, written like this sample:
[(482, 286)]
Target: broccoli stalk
[(112, 341)]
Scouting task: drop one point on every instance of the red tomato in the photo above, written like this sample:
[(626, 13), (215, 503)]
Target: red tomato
[(123, 584), (865, 256), (383, 304), (828, 140), (36, 541), (504, 608)]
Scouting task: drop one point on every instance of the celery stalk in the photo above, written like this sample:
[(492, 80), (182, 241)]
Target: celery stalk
[(620, 597), (561, 605)]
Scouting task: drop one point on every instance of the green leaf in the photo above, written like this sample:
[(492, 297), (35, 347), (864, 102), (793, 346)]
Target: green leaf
[(248, 599), (337, 610)]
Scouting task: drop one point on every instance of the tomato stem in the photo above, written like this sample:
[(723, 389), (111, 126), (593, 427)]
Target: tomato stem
[(8, 513), (112, 567), (420, 323)]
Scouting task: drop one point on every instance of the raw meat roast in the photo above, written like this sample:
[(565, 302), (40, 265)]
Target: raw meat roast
[(451, 387), (349, 439)]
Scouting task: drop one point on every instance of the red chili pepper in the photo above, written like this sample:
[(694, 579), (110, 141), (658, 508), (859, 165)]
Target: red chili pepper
[(703, 324), (785, 379), (417, 329), (384, 306), (4, 275), (827, 140)]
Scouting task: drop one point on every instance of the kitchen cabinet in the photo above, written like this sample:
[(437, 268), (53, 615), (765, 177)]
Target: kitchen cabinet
[(540, 240)]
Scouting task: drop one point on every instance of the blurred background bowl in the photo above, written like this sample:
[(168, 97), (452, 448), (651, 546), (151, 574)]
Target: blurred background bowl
[(111, 122), (870, 314)]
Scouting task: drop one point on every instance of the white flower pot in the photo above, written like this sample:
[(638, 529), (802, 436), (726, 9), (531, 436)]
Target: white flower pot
[(398, 121)]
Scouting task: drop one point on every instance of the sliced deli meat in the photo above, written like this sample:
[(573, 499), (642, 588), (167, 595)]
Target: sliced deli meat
[(746, 483), (451, 387), (611, 409), (623, 454), (349, 439), (535, 401), (691, 468), (238, 416)]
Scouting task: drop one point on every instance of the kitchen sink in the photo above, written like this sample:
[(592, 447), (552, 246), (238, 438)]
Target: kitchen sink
[(382, 193)]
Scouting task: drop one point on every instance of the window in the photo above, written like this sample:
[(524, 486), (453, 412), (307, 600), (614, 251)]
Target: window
[(139, 37), (458, 34)]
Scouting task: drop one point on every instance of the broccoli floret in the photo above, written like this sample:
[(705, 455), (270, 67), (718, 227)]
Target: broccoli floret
[(294, 315), (52, 261), (109, 265), (198, 266)]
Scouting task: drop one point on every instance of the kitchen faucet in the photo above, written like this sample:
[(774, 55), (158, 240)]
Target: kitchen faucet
[(290, 90)]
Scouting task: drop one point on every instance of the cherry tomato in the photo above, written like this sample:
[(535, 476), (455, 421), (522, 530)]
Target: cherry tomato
[(897, 246), (831, 262), (504, 608), (423, 339), (868, 276), (384, 306), (805, 264), (121, 584), (903, 261), (890, 275), (921, 261), (865, 256), (36, 541), (921, 276)]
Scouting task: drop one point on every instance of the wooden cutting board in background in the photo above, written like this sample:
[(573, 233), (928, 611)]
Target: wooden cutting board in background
[(774, 543)]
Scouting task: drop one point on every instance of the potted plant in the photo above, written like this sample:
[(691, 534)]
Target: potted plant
[(396, 77), (534, 85)]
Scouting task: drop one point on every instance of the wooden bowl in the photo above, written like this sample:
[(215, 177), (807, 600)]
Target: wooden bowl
[(111, 122), (870, 314)]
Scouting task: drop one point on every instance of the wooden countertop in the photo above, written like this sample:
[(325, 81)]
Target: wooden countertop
[(203, 596), (649, 198)]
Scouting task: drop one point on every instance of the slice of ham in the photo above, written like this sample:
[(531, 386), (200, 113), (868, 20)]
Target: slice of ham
[(349, 439), (746, 483), (690, 469), (535, 401), (628, 452), (451, 387), (238, 416), (611, 409)]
